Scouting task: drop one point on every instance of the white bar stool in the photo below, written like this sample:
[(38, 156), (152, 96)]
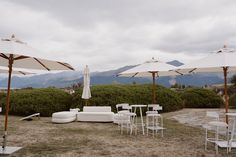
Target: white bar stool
[(154, 122), (231, 142), (129, 122), (217, 125), (120, 118)]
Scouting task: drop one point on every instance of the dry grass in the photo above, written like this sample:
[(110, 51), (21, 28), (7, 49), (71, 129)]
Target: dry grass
[(42, 138)]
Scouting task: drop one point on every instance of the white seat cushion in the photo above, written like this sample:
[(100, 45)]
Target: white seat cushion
[(63, 117), (97, 109), (119, 117), (95, 116), (218, 124)]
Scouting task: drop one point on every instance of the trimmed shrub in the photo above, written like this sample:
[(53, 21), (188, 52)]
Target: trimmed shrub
[(232, 101), (201, 98), (2, 95), (110, 95), (45, 101)]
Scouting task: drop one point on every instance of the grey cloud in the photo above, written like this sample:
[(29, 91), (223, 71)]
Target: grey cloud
[(111, 33), (88, 12)]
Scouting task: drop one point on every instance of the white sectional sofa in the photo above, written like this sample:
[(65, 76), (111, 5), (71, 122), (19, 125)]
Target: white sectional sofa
[(96, 114)]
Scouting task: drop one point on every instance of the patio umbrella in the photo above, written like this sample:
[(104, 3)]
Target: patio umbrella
[(222, 60), (17, 72), (12, 55), (152, 68), (86, 89)]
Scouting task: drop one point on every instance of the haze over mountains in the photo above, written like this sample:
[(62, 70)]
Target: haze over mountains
[(67, 78)]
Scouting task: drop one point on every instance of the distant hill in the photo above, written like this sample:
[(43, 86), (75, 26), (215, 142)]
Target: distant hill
[(61, 79), (175, 63), (67, 78)]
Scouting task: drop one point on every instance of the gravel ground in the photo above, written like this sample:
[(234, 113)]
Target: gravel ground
[(183, 137)]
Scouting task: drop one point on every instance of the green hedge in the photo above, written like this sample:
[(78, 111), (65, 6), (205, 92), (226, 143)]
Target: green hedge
[(45, 101), (110, 95), (2, 95), (201, 98), (232, 101)]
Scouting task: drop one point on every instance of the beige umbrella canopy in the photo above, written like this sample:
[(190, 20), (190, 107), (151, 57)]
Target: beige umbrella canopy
[(152, 68), (14, 50), (17, 72), (222, 60), (12, 55)]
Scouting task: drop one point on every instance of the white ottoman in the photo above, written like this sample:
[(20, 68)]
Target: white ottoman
[(63, 117)]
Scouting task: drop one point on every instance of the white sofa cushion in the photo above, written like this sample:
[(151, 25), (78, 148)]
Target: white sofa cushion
[(97, 109), (63, 117)]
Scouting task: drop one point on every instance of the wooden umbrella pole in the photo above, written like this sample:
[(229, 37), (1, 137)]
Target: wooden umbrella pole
[(11, 59), (225, 92), (153, 88)]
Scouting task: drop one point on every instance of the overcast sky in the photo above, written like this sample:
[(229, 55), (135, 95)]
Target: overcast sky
[(108, 34)]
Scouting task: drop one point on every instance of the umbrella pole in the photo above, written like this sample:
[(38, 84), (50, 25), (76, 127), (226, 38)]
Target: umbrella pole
[(11, 59), (153, 88), (225, 92)]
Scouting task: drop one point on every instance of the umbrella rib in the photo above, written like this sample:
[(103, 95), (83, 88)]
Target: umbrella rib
[(66, 65), (135, 74), (22, 72), (179, 73), (21, 57), (4, 56), (41, 64), (192, 70)]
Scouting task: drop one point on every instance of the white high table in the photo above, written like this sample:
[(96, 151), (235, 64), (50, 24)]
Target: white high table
[(141, 114), (223, 144)]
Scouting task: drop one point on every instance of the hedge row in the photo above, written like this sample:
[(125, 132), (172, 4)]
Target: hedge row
[(232, 101), (201, 98), (45, 101), (110, 95)]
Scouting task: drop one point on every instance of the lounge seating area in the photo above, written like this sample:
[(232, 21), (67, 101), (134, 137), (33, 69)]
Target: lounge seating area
[(125, 118), (128, 122)]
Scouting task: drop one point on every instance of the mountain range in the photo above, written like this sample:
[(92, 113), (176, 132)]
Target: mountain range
[(67, 78)]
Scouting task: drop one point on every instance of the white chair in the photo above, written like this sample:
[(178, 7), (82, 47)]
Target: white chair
[(128, 121), (153, 108), (232, 132), (214, 123), (123, 106), (120, 107), (210, 116), (120, 118), (154, 121)]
